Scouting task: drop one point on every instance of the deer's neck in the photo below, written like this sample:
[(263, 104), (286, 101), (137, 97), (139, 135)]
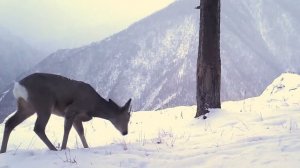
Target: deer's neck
[(102, 110)]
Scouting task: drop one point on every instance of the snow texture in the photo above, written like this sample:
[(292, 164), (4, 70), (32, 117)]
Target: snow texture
[(257, 132)]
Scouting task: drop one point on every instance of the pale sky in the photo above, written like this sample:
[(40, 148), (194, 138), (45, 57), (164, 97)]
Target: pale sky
[(72, 23)]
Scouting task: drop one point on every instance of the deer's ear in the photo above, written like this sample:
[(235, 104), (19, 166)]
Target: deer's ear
[(126, 107)]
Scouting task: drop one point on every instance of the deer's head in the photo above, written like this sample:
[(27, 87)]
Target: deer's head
[(121, 116)]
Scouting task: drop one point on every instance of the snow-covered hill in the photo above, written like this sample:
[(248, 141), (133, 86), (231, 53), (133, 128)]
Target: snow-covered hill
[(256, 132), (154, 60), (16, 56)]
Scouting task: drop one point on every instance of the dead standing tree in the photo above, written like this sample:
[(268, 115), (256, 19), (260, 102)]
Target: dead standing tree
[(209, 61)]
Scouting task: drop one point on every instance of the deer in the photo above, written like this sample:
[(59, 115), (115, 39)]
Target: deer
[(76, 101)]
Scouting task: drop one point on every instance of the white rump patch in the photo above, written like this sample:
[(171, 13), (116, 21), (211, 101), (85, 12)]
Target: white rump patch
[(20, 91)]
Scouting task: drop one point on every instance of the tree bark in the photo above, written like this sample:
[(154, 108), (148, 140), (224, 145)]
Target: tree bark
[(209, 61)]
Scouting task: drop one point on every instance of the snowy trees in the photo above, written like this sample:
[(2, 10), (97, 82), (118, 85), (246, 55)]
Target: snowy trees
[(209, 62)]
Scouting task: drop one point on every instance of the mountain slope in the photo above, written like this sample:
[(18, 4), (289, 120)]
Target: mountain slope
[(16, 56), (153, 61)]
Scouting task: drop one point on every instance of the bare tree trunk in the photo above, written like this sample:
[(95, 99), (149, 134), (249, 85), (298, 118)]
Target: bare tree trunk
[(209, 61)]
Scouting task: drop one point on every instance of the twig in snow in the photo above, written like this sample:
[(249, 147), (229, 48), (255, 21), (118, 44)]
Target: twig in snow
[(17, 149), (30, 143)]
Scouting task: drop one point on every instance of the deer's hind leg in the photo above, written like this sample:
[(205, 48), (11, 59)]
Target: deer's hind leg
[(43, 115), (23, 112)]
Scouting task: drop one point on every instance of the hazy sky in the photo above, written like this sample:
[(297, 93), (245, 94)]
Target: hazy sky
[(69, 23)]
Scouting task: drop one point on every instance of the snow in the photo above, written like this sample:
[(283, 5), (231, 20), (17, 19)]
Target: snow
[(3, 94), (257, 132)]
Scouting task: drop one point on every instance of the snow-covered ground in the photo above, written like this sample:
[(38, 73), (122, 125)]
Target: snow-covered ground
[(257, 132)]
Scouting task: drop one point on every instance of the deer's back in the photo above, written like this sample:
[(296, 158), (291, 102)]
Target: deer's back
[(57, 92)]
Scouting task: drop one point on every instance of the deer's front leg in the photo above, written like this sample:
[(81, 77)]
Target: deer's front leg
[(69, 119), (79, 128)]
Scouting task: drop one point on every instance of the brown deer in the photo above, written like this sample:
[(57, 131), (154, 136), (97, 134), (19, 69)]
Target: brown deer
[(76, 101)]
